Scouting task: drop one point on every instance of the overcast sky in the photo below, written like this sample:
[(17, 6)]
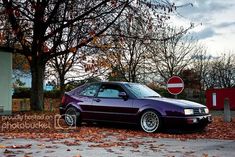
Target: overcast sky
[(214, 20)]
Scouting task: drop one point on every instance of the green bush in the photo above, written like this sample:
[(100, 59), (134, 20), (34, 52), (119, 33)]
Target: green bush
[(52, 94), (22, 92)]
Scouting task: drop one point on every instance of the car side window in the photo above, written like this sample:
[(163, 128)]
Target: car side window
[(90, 90), (109, 91)]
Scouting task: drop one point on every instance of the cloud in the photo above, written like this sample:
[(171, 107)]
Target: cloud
[(202, 6), (225, 24), (203, 9), (217, 31), (205, 33)]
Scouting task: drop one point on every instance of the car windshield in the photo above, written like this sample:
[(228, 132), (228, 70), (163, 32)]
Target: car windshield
[(142, 91)]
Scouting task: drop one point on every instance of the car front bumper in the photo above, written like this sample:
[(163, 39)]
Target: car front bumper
[(202, 120)]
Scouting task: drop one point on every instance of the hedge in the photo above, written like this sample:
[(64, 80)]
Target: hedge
[(25, 93)]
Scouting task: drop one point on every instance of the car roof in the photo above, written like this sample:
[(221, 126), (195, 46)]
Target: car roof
[(114, 82)]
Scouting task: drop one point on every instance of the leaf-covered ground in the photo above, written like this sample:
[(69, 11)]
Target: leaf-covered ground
[(51, 137), (20, 126)]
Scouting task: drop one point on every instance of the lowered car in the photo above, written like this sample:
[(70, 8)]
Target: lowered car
[(130, 103)]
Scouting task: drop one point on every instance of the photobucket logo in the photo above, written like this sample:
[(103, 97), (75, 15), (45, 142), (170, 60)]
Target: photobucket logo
[(59, 122), (9, 126), (37, 122)]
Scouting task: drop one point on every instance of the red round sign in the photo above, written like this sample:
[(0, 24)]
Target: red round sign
[(175, 85)]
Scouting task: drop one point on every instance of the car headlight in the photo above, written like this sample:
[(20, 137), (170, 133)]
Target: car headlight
[(188, 111), (206, 110)]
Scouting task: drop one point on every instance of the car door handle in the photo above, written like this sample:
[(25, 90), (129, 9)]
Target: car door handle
[(97, 100)]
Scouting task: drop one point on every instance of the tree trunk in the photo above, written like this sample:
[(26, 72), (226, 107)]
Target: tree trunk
[(62, 86), (37, 72)]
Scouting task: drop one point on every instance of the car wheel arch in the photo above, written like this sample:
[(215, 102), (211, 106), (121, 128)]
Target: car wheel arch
[(150, 109), (73, 105), (79, 110)]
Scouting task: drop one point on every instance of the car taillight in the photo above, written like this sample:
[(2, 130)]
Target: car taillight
[(63, 100)]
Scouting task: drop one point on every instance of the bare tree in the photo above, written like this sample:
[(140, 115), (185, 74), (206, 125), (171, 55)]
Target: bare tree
[(201, 66), (169, 57), (72, 67), (35, 24), (126, 52), (59, 67), (129, 58), (41, 27), (221, 72)]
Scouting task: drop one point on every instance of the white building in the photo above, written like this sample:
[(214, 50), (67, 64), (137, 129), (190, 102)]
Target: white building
[(5, 82)]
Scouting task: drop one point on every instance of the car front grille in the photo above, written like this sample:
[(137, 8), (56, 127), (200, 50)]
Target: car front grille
[(199, 111)]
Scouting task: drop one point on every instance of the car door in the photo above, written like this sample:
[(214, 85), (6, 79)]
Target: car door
[(109, 106), (85, 100)]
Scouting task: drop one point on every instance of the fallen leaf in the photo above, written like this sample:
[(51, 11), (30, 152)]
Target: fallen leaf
[(8, 151), (204, 155), (54, 147), (20, 146)]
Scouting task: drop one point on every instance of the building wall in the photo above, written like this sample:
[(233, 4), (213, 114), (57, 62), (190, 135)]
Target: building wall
[(5, 83), (215, 98)]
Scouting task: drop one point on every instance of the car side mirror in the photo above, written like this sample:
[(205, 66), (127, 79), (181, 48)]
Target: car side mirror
[(123, 95)]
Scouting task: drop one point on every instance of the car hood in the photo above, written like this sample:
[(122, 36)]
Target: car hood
[(178, 102)]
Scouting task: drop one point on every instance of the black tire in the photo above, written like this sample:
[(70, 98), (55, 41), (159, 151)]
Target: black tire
[(150, 121), (202, 127), (72, 116)]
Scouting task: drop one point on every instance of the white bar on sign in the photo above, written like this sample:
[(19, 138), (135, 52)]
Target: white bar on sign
[(175, 85), (214, 99)]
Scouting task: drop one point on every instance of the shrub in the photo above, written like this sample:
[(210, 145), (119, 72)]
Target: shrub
[(22, 92), (52, 94)]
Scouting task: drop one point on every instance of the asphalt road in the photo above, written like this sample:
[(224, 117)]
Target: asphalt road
[(146, 147)]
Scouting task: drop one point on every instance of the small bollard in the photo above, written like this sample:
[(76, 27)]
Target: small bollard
[(227, 112)]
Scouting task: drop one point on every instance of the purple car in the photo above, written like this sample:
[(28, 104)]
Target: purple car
[(130, 103)]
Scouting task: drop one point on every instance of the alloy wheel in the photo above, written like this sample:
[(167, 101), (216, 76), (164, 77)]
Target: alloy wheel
[(71, 116), (150, 121)]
